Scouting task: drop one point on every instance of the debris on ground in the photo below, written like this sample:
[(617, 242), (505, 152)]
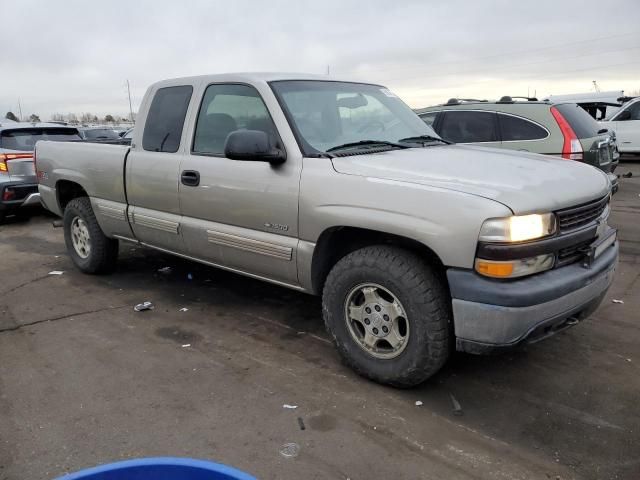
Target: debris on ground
[(143, 306), (627, 175), (165, 270), (457, 409), (184, 309), (56, 272), (291, 407), (615, 300), (189, 276), (289, 450), (419, 403), (301, 423), (57, 223), (186, 345)]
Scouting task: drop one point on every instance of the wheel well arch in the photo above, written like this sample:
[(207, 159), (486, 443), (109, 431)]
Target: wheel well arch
[(336, 242), (66, 190)]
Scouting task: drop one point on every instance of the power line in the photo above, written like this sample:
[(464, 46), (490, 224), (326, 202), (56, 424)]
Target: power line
[(567, 72), (517, 52), (508, 67)]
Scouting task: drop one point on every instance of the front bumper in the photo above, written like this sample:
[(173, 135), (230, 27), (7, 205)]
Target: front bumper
[(491, 315), (20, 195)]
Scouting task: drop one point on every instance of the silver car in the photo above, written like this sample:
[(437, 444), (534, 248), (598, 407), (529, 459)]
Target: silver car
[(18, 185)]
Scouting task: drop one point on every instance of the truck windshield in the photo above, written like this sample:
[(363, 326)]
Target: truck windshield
[(327, 116)]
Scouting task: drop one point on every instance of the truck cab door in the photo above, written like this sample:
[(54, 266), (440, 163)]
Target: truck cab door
[(627, 128), (241, 215), (153, 165)]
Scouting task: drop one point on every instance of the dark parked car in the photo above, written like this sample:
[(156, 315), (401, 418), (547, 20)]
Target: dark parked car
[(96, 134)]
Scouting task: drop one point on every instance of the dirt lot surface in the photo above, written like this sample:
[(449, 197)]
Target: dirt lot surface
[(86, 380)]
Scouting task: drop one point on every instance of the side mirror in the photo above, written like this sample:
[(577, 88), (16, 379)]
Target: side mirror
[(252, 145), (626, 115)]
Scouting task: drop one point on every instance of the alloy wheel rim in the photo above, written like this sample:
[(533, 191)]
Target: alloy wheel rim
[(80, 237), (376, 320)]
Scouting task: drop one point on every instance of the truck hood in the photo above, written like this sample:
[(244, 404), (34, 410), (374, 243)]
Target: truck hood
[(524, 182)]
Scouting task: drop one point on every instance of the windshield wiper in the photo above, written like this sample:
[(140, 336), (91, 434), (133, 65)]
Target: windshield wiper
[(365, 143), (424, 138)]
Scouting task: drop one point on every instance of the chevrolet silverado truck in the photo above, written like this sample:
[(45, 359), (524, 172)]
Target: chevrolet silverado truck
[(336, 188)]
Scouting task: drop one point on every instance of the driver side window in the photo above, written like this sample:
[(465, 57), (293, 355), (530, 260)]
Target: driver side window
[(634, 111), (225, 109)]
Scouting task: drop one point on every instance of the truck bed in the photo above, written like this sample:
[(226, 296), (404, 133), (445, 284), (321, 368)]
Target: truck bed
[(98, 167)]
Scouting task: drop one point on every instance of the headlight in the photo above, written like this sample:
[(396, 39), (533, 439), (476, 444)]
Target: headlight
[(518, 228)]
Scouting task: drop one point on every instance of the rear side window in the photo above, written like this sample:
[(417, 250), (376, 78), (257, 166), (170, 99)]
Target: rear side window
[(25, 138), (163, 128), (581, 122), (226, 108), (429, 118), (468, 127), (514, 129)]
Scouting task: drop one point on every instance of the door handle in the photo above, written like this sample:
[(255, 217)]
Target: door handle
[(190, 178)]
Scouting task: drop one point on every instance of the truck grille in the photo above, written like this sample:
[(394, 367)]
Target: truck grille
[(576, 217), (571, 254)]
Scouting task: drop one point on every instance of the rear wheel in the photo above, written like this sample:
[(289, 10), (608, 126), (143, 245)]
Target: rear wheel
[(89, 248), (388, 314)]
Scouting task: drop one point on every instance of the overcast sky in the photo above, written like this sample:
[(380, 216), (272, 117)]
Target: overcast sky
[(75, 56)]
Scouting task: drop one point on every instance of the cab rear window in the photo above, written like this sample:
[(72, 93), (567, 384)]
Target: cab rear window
[(581, 122), (25, 138)]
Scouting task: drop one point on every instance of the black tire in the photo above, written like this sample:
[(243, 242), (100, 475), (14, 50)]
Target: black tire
[(103, 254), (424, 298)]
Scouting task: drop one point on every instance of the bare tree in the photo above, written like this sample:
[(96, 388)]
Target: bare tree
[(57, 117), (109, 118), (11, 116), (33, 118), (71, 118)]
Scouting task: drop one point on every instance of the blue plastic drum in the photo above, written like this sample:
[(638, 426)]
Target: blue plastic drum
[(164, 468)]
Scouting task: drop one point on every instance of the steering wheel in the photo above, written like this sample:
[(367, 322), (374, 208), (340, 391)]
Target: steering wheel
[(372, 126)]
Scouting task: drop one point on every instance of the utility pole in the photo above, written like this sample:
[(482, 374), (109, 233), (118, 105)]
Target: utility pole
[(19, 109), (130, 107), (328, 70)]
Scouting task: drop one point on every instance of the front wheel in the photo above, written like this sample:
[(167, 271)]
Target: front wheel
[(389, 315), (89, 248)]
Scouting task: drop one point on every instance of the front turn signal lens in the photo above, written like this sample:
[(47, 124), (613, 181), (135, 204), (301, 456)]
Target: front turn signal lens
[(514, 268), (494, 269)]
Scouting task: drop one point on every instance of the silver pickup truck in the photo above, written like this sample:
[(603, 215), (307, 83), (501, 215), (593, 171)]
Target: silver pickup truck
[(338, 189)]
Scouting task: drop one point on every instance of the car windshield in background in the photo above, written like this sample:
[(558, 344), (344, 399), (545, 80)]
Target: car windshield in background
[(101, 134), (25, 138), (329, 116), (582, 123)]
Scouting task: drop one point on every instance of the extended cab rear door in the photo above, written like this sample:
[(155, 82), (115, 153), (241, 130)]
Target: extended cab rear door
[(241, 215), (153, 168)]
